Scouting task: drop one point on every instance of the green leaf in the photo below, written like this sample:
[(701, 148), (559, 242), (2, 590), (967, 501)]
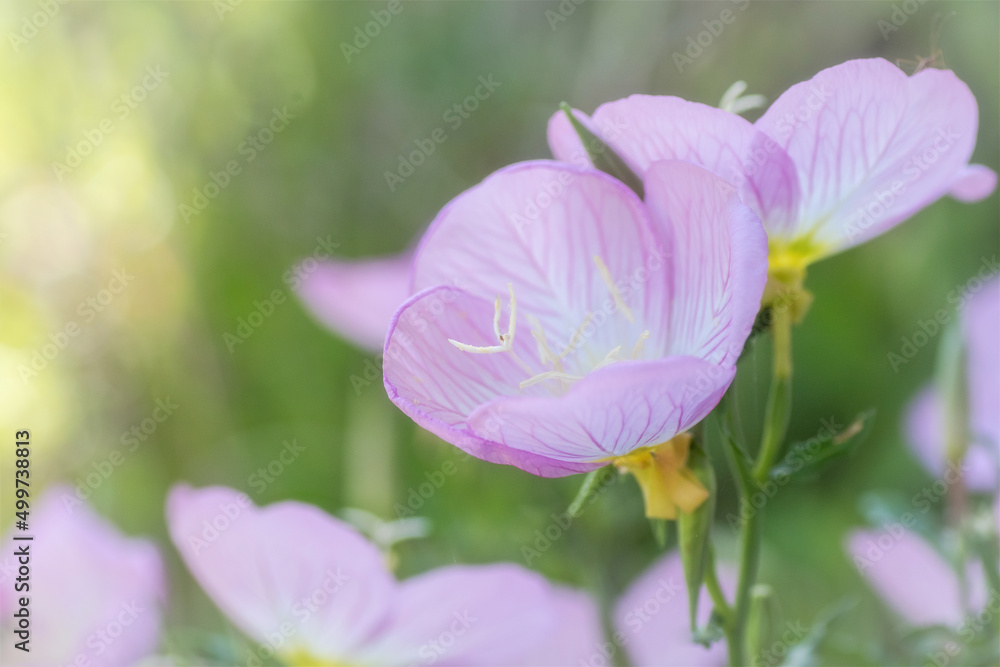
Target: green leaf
[(602, 156), (805, 653), (807, 459)]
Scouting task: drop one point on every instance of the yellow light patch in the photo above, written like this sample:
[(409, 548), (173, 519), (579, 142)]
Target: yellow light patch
[(665, 480), (795, 255), (786, 273), (302, 658)]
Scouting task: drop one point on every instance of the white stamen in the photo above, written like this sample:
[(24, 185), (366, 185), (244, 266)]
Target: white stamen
[(549, 375), (643, 337), (506, 339), (545, 353), (609, 358), (512, 320), (615, 294), (577, 337), (496, 319), (734, 101), (479, 349)]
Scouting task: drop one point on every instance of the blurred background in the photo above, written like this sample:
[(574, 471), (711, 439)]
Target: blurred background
[(163, 165)]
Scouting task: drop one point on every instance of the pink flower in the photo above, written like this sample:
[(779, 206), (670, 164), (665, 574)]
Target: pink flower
[(356, 299), (925, 423), (561, 323), (835, 161), (312, 590), (913, 578), (652, 624), (95, 596)]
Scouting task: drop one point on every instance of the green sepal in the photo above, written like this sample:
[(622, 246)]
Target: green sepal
[(593, 485), (694, 529), (659, 528), (602, 156)]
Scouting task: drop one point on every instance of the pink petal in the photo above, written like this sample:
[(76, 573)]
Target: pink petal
[(288, 568), (96, 596), (467, 615), (539, 226), (974, 183), (924, 424), (356, 299), (609, 413), (439, 386), (652, 620), (713, 286), (718, 252), (872, 147), (577, 636), (644, 129), (908, 574), (925, 432), (982, 331), (470, 400)]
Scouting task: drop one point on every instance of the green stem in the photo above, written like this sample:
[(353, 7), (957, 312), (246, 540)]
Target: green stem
[(773, 435), (735, 626), (715, 590), (749, 559), (722, 608), (779, 401)]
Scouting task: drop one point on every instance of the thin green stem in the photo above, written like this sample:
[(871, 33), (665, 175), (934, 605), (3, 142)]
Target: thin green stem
[(715, 590), (779, 401), (773, 435), (749, 559), (722, 608), (735, 626)]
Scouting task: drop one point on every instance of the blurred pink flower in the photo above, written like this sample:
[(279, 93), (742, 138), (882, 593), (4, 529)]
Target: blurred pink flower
[(623, 319), (924, 425), (95, 595), (356, 299), (913, 578), (310, 589), (651, 618), (835, 161)]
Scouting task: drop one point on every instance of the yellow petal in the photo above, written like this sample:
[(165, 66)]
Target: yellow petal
[(666, 484)]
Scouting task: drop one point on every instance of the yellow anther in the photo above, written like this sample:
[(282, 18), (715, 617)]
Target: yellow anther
[(615, 294)]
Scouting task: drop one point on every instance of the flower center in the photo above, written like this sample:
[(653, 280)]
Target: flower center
[(553, 366)]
